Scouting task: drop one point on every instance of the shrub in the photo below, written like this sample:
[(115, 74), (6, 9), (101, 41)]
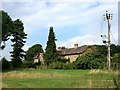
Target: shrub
[(115, 61), (90, 61), (63, 60), (56, 65), (5, 64), (69, 66), (26, 64)]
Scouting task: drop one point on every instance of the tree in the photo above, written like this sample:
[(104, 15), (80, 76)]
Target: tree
[(102, 49), (18, 35), (114, 49), (33, 51), (50, 54), (6, 23)]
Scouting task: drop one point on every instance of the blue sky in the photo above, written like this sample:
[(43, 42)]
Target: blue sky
[(73, 21)]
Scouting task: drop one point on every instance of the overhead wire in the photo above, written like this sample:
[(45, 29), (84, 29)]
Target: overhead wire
[(113, 37), (101, 28)]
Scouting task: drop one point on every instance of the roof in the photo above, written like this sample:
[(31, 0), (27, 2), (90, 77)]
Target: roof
[(36, 57), (70, 51)]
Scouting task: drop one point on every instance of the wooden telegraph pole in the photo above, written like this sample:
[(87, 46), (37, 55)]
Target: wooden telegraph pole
[(108, 17)]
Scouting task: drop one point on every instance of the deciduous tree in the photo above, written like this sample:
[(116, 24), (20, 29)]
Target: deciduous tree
[(33, 51)]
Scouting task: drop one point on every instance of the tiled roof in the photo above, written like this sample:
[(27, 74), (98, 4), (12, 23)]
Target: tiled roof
[(70, 51)]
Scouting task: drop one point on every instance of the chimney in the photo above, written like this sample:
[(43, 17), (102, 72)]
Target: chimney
[(76, 45)]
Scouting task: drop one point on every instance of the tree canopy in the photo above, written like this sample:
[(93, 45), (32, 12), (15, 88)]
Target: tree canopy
[(33, 51), (6, 23)]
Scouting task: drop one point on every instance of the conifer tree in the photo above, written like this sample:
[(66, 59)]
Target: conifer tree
[(18, 35), (50, 54)]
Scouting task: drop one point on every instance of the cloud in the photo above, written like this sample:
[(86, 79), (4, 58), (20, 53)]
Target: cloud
[(91, 25), (61, 1), (41, 15), (60, 14), (81, 40), (66, 17)]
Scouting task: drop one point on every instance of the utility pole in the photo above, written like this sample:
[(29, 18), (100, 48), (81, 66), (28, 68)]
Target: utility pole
[(108, 17)]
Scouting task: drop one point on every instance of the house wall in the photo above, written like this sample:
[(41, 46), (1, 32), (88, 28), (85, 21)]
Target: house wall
[(35, 60), (72, 57), (40, 57)]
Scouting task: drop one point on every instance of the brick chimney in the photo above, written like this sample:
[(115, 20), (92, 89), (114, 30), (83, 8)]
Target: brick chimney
[(76, 45)]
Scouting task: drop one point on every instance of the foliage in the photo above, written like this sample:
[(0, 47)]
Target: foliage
[(15, 29), (115, 52), (5, 64), (18, 35), (115, 61), (95, 60), (63, 60), (26, 64), (56, 65), (102, 49), (33, 51), (69, 66), (90, 61), (61, 64), (50, 54), (114, 49), (6, 23)]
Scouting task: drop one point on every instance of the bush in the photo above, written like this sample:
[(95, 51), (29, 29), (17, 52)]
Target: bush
[(90, 61), (56, 65), (61, 65), (69, 66), (5, 64), (63, 60), (115, 61), (26, 64)]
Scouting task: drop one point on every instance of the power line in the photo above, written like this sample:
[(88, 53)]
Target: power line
[(113, 37), (101, 28)]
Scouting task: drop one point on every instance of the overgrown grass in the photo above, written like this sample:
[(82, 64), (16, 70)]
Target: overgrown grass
[(50, 78)]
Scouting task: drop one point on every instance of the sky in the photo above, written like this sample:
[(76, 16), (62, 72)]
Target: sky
[(73, 21)]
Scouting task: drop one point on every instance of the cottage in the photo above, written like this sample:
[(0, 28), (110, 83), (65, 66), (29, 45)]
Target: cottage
[(68, 53), (73, 53), (39, 57)]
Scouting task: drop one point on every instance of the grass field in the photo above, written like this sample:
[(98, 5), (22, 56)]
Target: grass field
[(49, 78)]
